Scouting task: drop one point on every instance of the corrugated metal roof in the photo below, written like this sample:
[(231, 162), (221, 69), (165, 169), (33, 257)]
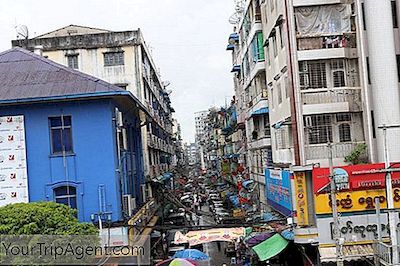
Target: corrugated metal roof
[(25, 75)]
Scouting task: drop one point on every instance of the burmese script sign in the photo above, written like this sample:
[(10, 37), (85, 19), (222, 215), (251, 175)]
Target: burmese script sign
[(354, 228), (355, 201), (13, 171)]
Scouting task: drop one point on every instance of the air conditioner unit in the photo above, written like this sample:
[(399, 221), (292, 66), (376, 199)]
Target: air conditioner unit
[(119, 119), (127, 205)]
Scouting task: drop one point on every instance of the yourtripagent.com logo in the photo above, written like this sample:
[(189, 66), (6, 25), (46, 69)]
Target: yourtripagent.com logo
[(68, 250)]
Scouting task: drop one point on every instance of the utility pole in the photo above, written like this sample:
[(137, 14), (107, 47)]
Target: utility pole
[(389, 196), (336, 232)]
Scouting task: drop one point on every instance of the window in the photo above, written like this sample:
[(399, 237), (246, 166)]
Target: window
[(61, 135), (344, 132), (279, 90), (268, 54), (66, 195), (287, 91), (275, 46), (343, 120), (373, 124), (271, 100), (281, 35), (72, 61), (394, 14), (319, 128), (281, 139), (368, 71), (267, 129), (312, 74), (398, 67), (338, 73), (113, 58), (363, 16)]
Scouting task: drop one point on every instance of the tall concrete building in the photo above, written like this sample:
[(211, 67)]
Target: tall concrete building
[(248, 60), (121, 58), (331, 73)]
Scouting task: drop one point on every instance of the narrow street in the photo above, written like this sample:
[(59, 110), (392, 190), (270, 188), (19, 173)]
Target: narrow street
[(217, 256)]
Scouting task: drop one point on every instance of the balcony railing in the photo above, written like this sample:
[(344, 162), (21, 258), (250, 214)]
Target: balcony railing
[(383, 253), (320, 151), (347, 40), (337, 95)]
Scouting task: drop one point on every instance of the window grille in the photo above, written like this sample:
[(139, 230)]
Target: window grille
[(319, 128), (344, 132)]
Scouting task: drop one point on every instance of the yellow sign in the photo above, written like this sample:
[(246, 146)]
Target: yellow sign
[(351, 201), (301, 198)]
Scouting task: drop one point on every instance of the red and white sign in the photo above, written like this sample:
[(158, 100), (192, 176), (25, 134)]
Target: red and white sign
[(13, 169), (360, 177)]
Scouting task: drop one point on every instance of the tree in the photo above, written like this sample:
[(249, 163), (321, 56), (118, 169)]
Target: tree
[(52, 225), (42, 218)]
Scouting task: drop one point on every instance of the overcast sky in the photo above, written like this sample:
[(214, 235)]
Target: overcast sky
[(187, 39)]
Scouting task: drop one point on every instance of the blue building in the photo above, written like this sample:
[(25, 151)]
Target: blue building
[(82, 136)]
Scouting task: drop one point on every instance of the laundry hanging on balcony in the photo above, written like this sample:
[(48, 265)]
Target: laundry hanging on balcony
[(327, 19)]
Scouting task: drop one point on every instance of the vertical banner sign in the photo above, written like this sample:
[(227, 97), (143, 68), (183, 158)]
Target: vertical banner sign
[(13, 171), (301, 198)]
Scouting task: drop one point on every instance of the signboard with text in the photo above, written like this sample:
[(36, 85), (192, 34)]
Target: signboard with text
[(13, 168), (278, 190), (357, 188), (301, 198), (354, 228)]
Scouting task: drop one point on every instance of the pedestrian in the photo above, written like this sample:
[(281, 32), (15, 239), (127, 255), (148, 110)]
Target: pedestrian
[(219, 246)]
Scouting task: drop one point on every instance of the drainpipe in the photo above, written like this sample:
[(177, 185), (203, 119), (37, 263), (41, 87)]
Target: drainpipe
[(293, 112)]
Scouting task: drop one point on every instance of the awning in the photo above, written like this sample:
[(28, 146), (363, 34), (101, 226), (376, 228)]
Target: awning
[(233, 37), (236, 68), (353, 252), (261, 111), (230, 47), (270, 247)]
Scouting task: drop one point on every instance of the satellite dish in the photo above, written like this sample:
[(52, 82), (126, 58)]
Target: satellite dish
[(22, 31)]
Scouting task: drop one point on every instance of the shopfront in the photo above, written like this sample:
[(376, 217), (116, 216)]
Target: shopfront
[(359, 189)]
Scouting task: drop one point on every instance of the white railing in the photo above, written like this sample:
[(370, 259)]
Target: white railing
[(321, 96), (339, 150), (383, 252)]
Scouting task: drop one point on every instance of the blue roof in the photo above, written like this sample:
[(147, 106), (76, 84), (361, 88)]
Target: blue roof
[(230, 47), (261, 111), (234, 36), (236, 68)]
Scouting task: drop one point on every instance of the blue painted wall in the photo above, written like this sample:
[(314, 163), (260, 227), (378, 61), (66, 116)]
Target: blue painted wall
[(92, 167), (278, 191)]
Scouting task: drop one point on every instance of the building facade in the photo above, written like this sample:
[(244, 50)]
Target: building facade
[(330, 72), (72, 149), (123, 59)]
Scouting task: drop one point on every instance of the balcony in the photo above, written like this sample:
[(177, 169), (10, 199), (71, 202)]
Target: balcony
[(338, 100), (320, 151), (327, 47), (260, 142)]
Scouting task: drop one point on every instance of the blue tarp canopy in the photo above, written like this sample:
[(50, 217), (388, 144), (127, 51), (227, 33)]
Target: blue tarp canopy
[(233, 37), (230, 47), (261, 111), (236, 68), (235, 200)]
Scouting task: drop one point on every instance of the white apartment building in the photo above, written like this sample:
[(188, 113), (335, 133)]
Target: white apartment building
[(248, 58), (123, 59)]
